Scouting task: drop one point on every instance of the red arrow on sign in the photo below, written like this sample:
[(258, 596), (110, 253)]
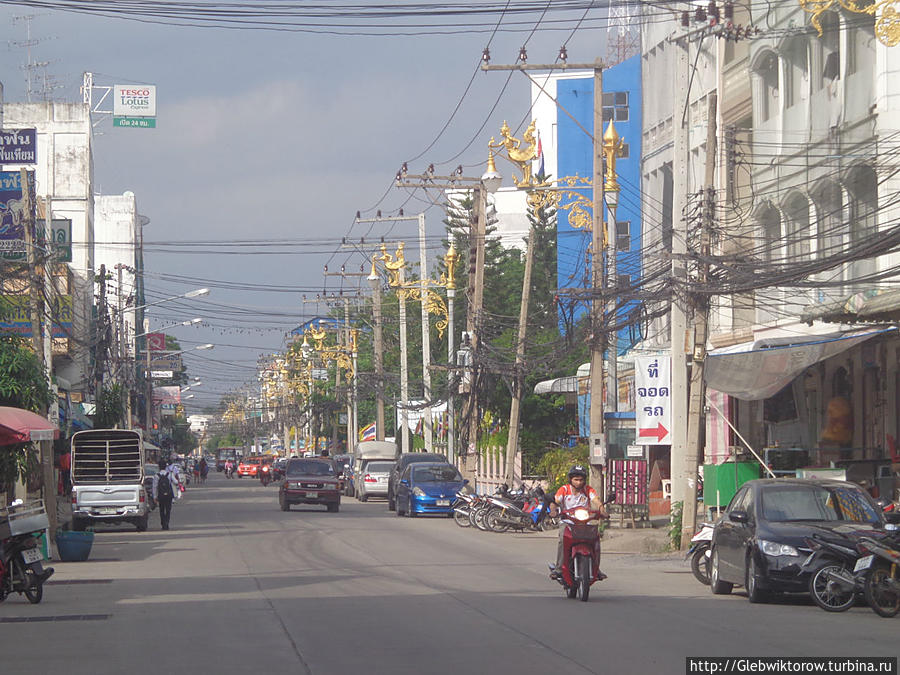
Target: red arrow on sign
[(660, 432)]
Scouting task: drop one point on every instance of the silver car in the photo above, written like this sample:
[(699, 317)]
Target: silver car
[(372, 480)]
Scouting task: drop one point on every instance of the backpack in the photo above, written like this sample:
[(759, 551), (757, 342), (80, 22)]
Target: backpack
[(164, 487)]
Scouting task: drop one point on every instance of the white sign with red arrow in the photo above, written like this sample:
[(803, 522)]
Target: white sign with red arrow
[(652, 400)]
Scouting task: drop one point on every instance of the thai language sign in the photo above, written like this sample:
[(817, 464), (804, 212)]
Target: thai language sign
[(12, 216), (653, 400), (15, 315), (18, 146)]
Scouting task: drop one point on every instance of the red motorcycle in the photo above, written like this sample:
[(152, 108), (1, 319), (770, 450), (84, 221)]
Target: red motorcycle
[(265, 475), (581, 552)]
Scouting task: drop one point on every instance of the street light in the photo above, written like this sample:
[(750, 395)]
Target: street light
[(191, 322)]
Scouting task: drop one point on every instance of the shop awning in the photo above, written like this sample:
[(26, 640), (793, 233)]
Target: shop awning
[(18, 425), (760, 369), (873, 306), (563, 385)]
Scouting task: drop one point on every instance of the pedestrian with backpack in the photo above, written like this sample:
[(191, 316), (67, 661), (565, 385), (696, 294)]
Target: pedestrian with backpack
[(164, 486)]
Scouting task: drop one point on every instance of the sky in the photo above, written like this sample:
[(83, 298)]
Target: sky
[(268, 143)]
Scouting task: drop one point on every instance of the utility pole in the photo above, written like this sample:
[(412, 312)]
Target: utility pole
[(512, 446), (379, 354), (426, 339), (696, 413), (681, 474), (36, 274), (599, 376), (475, 291), (598, 341)]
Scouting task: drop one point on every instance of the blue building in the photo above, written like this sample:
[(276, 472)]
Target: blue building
[(568, 151)]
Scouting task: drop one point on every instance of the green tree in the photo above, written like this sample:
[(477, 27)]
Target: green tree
[(23, 384), (110, 408)]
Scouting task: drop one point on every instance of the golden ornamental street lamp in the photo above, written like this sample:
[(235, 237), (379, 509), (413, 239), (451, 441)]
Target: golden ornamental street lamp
[(887, 22)]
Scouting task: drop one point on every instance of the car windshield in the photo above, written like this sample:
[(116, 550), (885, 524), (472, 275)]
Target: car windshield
[(813, 502), (437, 474), (301, 467), (379, 467)]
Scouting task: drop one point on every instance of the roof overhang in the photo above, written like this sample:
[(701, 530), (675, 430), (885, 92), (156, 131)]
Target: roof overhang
[(761, 368)]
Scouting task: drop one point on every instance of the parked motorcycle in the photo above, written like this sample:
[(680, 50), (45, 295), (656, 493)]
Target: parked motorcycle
[(699, 553), (882, 579), (21, 560), (835, 582), (581, 552), (522, 512)]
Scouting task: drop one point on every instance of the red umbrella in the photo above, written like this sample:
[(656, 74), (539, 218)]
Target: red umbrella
[(19, 426)]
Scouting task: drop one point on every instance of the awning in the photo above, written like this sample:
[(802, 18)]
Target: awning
[(18, 425), (563, 385), (869, 306), (760, 369)]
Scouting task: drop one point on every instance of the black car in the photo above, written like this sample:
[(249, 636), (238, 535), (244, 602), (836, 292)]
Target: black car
[(760, 541), (400, 466), (310, 481)]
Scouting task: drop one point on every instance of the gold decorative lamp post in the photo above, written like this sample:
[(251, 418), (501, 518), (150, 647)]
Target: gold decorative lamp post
[(613, 148)]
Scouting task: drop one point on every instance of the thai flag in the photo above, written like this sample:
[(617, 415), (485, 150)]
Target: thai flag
[(540, 158), (367, 433)]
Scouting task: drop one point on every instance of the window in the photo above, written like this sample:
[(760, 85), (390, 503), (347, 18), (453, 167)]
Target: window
[(863, 188), (770, 225), (623, 235), (829, 48), (667, 206), (860, 42), (796, 71), (797, 211), (767, 72), (615, 106), (830, 227)]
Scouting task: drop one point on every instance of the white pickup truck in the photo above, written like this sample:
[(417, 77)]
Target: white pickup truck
[(107, 478)]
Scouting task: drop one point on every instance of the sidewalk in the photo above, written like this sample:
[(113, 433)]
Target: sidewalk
[(651, 539)]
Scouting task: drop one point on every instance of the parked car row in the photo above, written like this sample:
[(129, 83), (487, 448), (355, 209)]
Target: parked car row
[(769, 534)]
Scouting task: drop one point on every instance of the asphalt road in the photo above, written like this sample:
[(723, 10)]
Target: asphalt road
[(237, 586)]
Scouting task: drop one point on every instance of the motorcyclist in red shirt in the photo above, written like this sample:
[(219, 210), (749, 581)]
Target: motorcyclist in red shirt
[(576, 493)]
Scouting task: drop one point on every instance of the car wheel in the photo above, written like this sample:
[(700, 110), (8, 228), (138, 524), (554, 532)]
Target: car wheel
[(411, 511), (751, 584), (399, 510), (333, 508), (392, 503), (141, 523), (717, 586), (78, 524), (285, 505), (364, 498)]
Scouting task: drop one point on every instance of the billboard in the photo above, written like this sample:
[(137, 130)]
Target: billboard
[(134, 105), (162, 360), (12, 215), (18, 146), (15, 316), (156, 342)]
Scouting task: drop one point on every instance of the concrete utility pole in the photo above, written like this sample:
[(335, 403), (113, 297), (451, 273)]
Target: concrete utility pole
[(450, 258), (37, 312), (681, 473), (598, 340), (696, 414), (379, 354), (512, 446), (598, 343), (475, 291), (426, 339)]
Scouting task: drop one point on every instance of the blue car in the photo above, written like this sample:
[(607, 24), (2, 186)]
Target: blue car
[(429, 487)]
